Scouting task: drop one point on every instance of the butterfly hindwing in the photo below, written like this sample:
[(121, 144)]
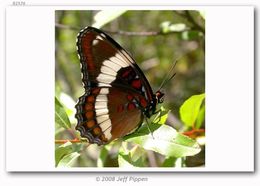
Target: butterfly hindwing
[(107, 113)]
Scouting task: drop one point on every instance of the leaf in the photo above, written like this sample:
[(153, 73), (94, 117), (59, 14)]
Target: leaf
[(61, 151), (105, 16), (167, 27), (124, 161), (103, 155), (191, 35), (68, 160), (190, 109), (68, 105), (61, 117), (164, 140), (169, 162), (161, 117), (200, 118), (202, 14), (132, 158)]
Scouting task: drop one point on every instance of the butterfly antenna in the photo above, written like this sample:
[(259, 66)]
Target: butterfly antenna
[(166, 79)]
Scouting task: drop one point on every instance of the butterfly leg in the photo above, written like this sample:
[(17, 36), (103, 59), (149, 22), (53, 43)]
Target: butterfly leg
[(138, 104), (147, 123), (158, 116)]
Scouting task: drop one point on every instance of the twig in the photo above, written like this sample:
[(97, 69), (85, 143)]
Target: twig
[(194, 133), (58, 25), (191, 20), (127, 33), (65, 141)]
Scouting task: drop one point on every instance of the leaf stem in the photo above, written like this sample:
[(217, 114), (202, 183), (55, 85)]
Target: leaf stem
[(194, 133), (65, 141)]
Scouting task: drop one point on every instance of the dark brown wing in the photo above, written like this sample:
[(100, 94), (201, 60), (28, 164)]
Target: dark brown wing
[(116, 90), (106, 114), (101, 56)]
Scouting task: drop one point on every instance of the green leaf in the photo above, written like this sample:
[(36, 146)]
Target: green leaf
[(167, 27), (68, 105), (103, 155), (200, 118), (164, 140), (62, 151), (162, 116), (61, 117), (105, 16), (68, 160), (202, 14), (169, 162), (132, 158), (190, 109), (191, 35), (124, 160)]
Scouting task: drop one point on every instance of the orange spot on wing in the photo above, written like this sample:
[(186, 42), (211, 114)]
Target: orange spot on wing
[(90, 123), (95, 91), (90, 99), (96, 130), (103, 138), (89, 106), (89, 115)]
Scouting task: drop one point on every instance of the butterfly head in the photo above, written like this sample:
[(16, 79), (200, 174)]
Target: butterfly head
[(159, 96)]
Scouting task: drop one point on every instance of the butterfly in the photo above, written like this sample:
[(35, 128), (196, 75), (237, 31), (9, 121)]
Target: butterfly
[(117, 94)]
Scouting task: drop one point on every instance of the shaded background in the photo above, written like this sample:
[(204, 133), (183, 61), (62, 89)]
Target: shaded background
[(156, 39)]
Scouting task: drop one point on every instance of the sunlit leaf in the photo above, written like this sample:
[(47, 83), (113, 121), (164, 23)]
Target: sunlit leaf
[(68, 160), (62, 151), (132, 158), (190, 109), (164, 140), (69, 106), (162, 116), (191, 35), (105, 16), (200, 118), (202, 14), (61, 117), (124, 160), (167, 27), (169, 162), (103, 155)]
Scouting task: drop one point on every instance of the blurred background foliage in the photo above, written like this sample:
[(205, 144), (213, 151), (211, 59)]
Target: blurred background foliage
[(156, 39)]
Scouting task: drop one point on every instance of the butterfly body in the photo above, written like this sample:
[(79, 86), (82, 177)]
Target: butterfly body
[(117, 94)]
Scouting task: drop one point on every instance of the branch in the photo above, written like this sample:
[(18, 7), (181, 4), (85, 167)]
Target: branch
[(65, 141), (192, 20), (121, 32), (194, 133), (58, 25)]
